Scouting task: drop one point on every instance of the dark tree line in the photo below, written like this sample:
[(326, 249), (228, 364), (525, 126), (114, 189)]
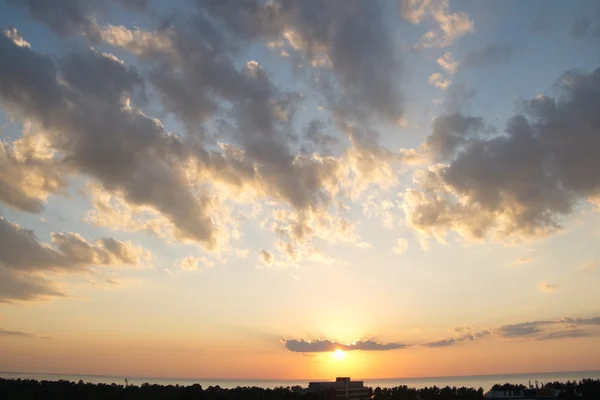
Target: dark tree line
[(428, 393), (27, 389), (584, 389)]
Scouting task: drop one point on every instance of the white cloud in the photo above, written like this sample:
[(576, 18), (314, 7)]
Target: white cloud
[(190, 263), (448, 63), (401, 246), (449, 25), (438, 80)]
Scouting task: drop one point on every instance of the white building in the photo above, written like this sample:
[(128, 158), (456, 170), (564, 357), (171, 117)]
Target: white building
[(342, 388)]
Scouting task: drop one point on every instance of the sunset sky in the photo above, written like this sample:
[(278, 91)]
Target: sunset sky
[(237, 188)]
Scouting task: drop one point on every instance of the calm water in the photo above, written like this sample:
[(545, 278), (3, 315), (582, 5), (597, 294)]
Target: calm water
[(484, 381)]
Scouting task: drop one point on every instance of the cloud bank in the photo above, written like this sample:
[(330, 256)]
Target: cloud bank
[(325, 345), (26, 264), (517, 184)]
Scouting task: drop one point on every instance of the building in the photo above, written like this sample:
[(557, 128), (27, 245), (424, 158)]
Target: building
[(342, 388)]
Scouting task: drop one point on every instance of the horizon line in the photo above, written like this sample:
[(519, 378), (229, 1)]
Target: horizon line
[(295, 379)]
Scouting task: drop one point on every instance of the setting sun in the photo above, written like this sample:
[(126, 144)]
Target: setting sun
[(339, 354)]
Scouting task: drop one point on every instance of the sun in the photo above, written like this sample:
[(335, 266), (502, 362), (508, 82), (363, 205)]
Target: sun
[(339, 354)]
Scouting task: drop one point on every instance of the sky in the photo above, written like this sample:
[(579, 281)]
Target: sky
[(289, 189)]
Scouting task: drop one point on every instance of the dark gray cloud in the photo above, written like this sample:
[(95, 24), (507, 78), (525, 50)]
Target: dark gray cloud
[(519, 183), (458, 98), (530, 330), (580, 26), (449, 132), (87, 104), (19, 334), (469, 336), (98, 135), (138, 5), (16, 286), (583, 321), (317, 138), (573, 333), (488, 56), (350, 36), (266, 257), (25, 261), (64, 17), (535, 329), (523, 329), (21, 250), (325, 345)]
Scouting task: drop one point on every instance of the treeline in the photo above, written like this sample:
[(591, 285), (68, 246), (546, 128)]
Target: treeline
[(583, 389), (27, 389), (428, 393)]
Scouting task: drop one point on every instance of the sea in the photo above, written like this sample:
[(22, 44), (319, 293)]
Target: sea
[(475, 381)]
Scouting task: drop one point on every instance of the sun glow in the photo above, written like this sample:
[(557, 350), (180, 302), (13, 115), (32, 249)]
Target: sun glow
[(339, 354)]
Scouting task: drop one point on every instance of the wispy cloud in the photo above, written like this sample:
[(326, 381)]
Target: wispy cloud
[(574, 333), (523, 260), (547, 287), (458, 339), (401, 246), (19, 334)]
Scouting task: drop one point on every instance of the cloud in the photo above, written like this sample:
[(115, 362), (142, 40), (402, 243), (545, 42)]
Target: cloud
[(87, 107), (523, 260), (28, 173), (450, 66), (415, 10), (438, 80), (457, 98), (450, 132), (64, 18), (266, 257), (574, 333), (582, 321), (19, 334), (20, 249), (401, 246), (580, 26), (547, 287), (530, 330), (535, 329), (16, 37), (450, 25), (325, 345), (25, 261), (458, 339), (523, 329), (448, 63), (16, 286), (488, 56), (190, 263), (515, 185), (126, 151)]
